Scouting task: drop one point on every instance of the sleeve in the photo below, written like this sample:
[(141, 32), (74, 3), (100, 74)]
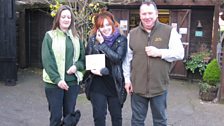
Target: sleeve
[(48, 59), (118, 55), (126, 66), (175, 50), (81, 61)]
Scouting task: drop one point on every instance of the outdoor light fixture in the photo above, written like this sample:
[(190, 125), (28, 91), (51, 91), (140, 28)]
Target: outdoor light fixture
[(199, 30), (199, 24)]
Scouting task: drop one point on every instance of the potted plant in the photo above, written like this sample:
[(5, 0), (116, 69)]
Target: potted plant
[(208, 88), (197, 62)]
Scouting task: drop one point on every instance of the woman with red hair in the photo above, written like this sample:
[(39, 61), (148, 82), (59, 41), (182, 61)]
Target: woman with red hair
[(107, 87)]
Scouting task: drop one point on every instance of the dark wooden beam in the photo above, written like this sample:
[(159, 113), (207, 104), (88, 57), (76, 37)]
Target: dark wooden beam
[(22, 60), (182, 21), (168, 3), (221, 89), (215, 29), (184, 3)]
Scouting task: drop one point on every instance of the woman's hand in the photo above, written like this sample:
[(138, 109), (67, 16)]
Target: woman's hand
[(99, 37), (63, 85), (72, 70), (96, 72)]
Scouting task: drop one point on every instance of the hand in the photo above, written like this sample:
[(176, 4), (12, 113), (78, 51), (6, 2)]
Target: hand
[(152, 51), (129, 88), (72, 69), (96, 72), (99, 37), (63, 85)]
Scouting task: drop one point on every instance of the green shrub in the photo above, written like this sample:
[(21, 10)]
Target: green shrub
[(197, 62), (212, 73)]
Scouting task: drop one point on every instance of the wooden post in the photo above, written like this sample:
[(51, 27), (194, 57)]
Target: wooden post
[(221, 89), (21, 40), (215, 29)]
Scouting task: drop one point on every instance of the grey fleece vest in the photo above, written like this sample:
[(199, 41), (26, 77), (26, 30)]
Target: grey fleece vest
[(149, 76)]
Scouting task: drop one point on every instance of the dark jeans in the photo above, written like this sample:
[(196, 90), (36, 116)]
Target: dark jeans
[(99, 105), (61, 102), (158, 106)]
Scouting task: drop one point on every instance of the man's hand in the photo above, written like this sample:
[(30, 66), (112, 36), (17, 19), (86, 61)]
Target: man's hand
[(63, 85), (129, 88), (152, 51)]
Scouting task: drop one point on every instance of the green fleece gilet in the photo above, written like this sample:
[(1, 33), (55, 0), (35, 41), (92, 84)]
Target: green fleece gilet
[(59, 50)]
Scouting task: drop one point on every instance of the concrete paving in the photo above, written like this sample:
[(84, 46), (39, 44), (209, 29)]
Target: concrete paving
[(25, 105)]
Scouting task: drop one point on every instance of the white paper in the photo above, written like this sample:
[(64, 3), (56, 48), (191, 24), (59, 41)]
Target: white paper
[(95, 61), (124, 25), (183, 30)]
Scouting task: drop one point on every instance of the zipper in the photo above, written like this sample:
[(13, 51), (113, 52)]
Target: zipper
[(148, 65)]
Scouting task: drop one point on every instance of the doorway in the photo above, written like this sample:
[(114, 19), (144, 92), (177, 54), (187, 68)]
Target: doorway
[(164, 17)]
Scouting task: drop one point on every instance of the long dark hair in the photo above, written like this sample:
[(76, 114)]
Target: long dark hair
[(57, 18)]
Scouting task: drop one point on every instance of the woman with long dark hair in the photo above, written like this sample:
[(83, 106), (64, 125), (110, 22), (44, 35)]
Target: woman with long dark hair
[(63, 58)]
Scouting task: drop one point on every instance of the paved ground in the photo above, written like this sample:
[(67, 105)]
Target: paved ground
[(25, 105)]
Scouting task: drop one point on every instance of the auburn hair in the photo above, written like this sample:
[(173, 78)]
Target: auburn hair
[(99, 20)]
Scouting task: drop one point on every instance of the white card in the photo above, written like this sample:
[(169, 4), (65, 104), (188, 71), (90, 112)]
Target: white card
[(95, 61)]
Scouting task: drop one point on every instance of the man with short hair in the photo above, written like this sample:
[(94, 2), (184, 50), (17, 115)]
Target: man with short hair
[(152, 46)]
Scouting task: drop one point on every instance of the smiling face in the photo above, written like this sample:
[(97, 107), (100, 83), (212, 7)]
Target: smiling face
[(148, 16), (65, 20), (106, 29)]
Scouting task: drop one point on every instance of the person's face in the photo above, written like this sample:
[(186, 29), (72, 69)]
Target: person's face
[(106, 29), (148, 16), (65, 20)]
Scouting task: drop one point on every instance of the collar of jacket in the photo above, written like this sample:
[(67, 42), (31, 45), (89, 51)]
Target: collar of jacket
[(157, 23)]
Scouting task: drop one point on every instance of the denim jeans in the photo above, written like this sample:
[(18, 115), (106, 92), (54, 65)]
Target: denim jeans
[(61, 102), (99, 105), (158, 106)]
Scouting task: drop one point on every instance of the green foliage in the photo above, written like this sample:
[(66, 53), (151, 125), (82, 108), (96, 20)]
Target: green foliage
[(197, 62), (211, 76), (212, 73), (204, 86), (85, 18), (54, 7)]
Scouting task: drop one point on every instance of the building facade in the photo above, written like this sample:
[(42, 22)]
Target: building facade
[(195, 20)]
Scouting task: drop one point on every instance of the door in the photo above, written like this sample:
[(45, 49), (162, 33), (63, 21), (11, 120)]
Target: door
[(181, 20), (38, 22), (121, 15), (8, 42)]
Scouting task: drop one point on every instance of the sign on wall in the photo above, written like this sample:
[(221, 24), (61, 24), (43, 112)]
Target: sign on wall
[(124, 25)]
